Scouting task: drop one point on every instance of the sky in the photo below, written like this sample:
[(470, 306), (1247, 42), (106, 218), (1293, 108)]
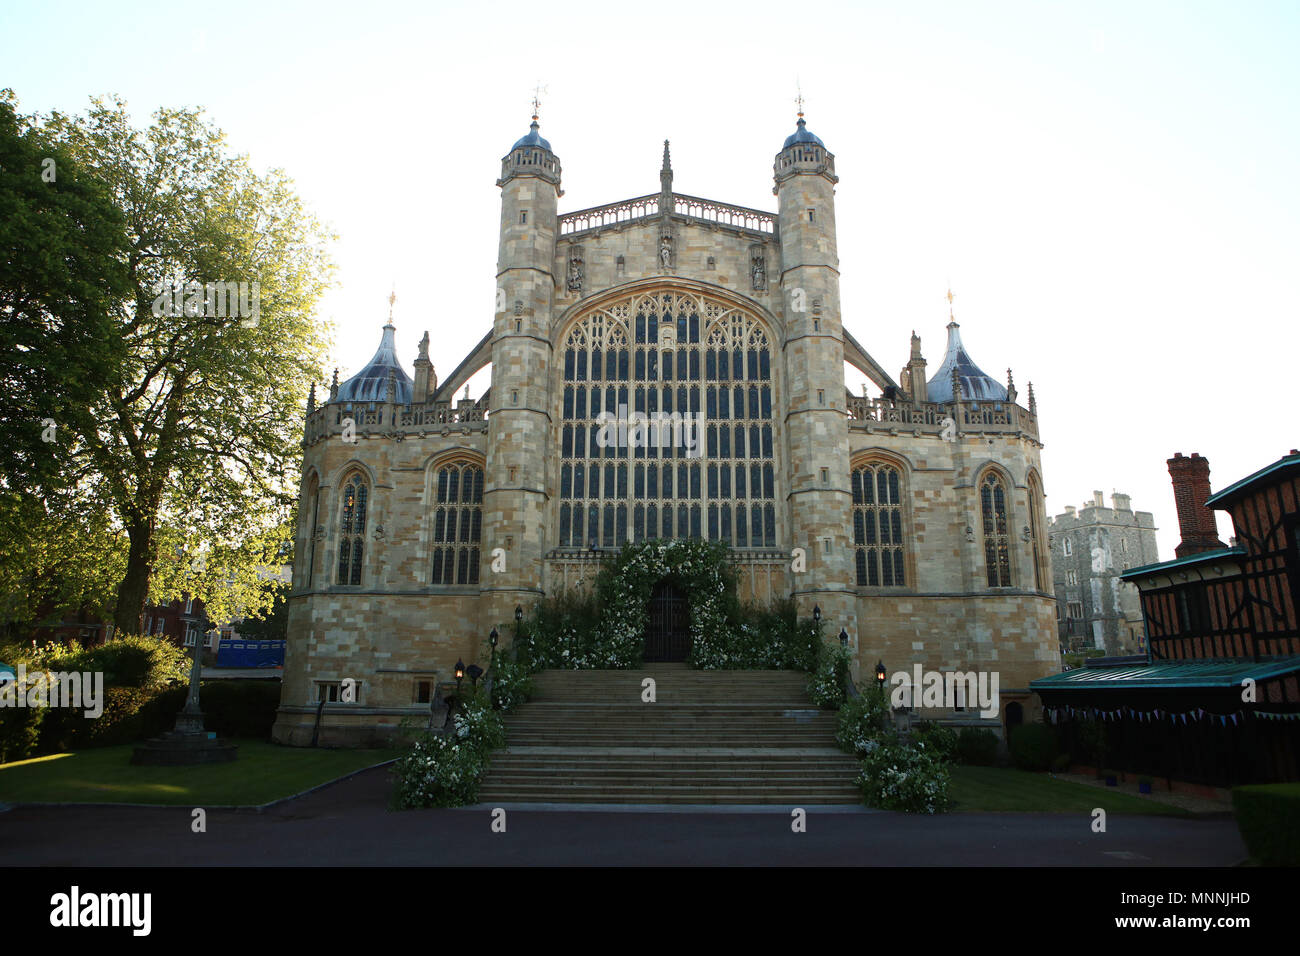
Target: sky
[(1109, 189)]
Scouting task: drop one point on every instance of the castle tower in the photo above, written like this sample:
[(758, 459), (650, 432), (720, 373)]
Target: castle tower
[(817, 424), (515, 495)]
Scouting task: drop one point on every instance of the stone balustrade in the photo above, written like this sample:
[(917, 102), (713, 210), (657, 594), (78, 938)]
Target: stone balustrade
[(880, 414), (585, 221), (396, 420)]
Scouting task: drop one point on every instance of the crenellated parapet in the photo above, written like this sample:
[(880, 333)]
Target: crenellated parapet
[(941, 419), (395, 420)]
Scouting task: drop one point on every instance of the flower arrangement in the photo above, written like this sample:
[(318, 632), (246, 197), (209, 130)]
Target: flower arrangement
[(898, 777), (444, 769)]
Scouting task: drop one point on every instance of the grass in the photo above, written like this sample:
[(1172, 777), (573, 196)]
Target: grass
[(263, 772), (996, 789)]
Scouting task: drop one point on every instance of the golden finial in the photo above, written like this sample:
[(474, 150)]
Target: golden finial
[(392, 297), (950, 298), (798, 100)]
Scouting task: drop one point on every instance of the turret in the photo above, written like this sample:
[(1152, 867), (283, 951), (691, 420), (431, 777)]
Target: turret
[(817, 426), (518, 428), (916, 371)]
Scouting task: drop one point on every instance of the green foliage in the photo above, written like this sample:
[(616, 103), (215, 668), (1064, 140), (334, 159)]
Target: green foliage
[(126, 661), (1268, 816), (1061, 763), (192, 446), (936, 739), (238, 708), (444, 770), (605, 626), (863, 723), (272, 625), (20, 732), (977, 746), (512, 682), (1033, 746), (826, 684), (910, 779)]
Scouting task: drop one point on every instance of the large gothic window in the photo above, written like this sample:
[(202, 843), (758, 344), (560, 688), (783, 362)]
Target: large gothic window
[(457, 523), (1036, 534), (311, 503), (878, 525), (352, 529), (694, 456), (997, 542)]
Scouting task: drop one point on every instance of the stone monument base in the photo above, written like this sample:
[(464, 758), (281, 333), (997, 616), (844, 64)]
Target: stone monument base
[(175, 749)]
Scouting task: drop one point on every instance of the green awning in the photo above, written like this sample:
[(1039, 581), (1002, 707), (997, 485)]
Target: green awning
[(1167, 675)]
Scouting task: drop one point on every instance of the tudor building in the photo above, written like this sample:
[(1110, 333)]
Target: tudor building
[(426, 519)]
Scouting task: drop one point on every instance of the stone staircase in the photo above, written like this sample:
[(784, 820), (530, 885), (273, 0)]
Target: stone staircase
[(711, 737)]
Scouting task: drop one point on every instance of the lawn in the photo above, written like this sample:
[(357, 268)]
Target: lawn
[(1004, 789), (263, 772)]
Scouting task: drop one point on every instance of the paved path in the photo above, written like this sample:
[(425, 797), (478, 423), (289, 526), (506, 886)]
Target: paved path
[(347, 824)]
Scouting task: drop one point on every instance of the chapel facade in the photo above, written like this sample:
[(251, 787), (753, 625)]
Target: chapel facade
[(709, 339)]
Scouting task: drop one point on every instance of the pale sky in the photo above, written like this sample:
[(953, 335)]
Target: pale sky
[(1110, 188)]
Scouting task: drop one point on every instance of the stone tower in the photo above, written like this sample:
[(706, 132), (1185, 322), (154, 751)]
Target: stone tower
[(817, 422), (514, 504)]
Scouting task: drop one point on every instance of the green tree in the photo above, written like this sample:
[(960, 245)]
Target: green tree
[(195, 444), (63, 278)]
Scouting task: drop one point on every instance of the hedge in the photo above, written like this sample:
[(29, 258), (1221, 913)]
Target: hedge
[(1033, 746), (1268, 816), (977, 746)]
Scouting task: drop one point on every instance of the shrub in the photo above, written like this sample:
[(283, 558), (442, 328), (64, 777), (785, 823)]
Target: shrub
[(977, 746), (127, 661), (826, 685), (512, 684), (444, 770), (1061, 763), (1033, 746), (863, 721), (20, 731), (910, 779), (937, 739), (237, 708)]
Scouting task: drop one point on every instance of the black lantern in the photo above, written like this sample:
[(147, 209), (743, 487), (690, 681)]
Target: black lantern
[(519, 614), (817, 614), (475, 672), (880, 674), (492, 638), (844, 638), (460, 673)]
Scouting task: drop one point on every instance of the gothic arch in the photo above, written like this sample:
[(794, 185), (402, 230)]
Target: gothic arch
[(995, 521)]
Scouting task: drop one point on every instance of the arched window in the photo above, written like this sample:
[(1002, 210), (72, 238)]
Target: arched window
[(457, 523), (667, 427), (352, 529), (997, 542), (311, 521), (878, 525), (1036, 534)]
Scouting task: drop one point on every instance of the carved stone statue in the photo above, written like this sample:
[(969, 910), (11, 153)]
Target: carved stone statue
[(666, 251), (575, 271), (758, 271)]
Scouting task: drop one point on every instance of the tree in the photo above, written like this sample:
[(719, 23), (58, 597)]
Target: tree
[(195, 443), (63, 277)]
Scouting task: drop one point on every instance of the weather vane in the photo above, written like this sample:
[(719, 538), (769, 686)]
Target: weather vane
[(538, 90), (799, 98), (392, 297), (950, 298)]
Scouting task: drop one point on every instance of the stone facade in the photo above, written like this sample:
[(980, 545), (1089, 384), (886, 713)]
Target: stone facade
[(1091, 547), (917, 527)]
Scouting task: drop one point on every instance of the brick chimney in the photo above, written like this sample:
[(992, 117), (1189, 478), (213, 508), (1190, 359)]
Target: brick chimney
[(1191, 477)]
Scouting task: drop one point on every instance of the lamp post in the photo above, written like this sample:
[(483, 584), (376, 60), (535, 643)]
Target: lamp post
[(880, 676), (492, 639), (844, 639), (817, 614), (460, 675)]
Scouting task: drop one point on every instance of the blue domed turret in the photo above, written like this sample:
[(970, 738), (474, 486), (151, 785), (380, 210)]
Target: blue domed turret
[(976, 386), (801, 135), (371, 383), (534, 138)]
